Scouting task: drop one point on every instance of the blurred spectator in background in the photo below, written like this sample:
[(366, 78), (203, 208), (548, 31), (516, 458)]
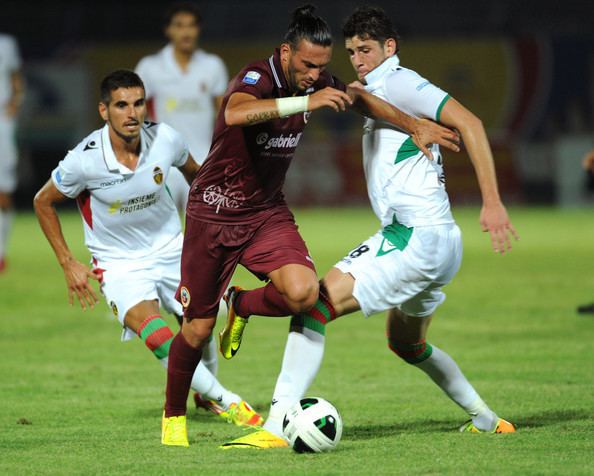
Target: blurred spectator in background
[(11, 98), (184, 87), (588, 164)]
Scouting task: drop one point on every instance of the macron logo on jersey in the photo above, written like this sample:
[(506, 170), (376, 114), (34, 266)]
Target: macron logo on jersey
[(251, 77)]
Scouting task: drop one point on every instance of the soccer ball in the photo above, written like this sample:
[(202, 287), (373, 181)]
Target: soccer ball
[(312, 425)]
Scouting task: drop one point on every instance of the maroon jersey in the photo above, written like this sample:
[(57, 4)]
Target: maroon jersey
[(244, 172)]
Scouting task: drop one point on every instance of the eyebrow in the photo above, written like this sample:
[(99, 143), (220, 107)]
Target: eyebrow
[(309, 64)]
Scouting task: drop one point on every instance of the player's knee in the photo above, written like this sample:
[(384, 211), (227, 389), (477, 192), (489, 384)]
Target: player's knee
[(301, 297), (200, 331), (411, 353)]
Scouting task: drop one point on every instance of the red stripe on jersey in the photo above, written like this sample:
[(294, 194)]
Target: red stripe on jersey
[(84, 205)]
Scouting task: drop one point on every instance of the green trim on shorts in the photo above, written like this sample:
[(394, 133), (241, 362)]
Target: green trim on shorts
[(440, 107), (407, 149), (396, 237)]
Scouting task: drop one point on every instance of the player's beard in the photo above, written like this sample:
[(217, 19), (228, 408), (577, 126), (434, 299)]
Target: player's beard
[(128, 138), (292, 79)]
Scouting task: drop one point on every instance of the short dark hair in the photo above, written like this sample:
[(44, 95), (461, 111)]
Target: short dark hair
[(369, 23), (307, 26), (182, 7), (121, 78)]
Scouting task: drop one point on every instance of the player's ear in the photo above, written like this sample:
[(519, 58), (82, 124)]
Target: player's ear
[(390, 47), (103, 111), (285, 52)]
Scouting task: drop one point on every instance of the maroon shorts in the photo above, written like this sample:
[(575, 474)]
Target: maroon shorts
[(212, 251)]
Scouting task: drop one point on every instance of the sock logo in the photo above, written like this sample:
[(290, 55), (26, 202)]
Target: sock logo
[(274, 401), (114, 308)]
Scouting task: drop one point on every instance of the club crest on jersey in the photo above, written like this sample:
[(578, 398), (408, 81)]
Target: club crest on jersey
[(184, 296), (114, 308), (251, 77), (158, 175)]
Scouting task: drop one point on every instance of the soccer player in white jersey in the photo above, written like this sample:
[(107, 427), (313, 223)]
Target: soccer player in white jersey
[(117, 175), (11, 98), (184, 87), (402, 268)]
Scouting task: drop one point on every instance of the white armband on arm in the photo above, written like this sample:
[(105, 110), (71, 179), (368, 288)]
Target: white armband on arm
[(293, 105)]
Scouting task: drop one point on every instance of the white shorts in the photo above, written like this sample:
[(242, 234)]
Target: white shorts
[(178, 188), (126, 283), (410, 278), (8, 156)]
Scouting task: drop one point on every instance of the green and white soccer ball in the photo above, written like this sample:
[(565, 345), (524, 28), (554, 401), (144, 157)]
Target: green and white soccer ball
[(312, 425)]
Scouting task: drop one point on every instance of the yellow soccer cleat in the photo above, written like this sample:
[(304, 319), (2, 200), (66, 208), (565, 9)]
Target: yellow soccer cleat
[(258, 440), (503, 426), (242, 414), (173, 431), (230, 337)]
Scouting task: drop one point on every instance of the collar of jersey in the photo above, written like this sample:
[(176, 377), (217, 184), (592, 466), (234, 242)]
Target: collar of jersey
[(277, 71), (374, 76), (170, 58), (110, 159)]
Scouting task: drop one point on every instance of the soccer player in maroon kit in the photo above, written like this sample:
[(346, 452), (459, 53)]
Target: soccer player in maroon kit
[(236, 210)]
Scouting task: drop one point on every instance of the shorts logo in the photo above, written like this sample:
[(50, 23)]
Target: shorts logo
[(386, 247), (158, 175), (114, 308), (262, 138), (184, 295), (251, 77)]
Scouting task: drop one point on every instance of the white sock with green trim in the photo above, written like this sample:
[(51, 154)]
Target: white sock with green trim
[(444, 371), (301, 362)]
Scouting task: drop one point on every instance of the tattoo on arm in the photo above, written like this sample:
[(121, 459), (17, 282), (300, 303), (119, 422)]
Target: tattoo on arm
[(261, 117)]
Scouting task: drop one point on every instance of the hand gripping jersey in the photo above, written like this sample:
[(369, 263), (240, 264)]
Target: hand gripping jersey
[(243, 175), (127, 215), (185, 99), (401, 182)]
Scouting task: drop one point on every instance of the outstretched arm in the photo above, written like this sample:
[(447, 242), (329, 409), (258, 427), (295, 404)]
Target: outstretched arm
[(493, 218), (245, 110), (422, 131), (76, 274)]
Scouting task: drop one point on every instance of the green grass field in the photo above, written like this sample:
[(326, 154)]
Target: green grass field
[(74, 400)]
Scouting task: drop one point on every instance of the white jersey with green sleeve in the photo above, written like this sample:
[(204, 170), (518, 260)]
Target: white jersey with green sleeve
[(127, 215), (402, 184)]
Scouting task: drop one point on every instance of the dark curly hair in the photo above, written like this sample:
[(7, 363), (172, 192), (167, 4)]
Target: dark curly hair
[(369, 23)]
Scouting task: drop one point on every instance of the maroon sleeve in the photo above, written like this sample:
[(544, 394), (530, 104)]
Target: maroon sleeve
[(254, 79)]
